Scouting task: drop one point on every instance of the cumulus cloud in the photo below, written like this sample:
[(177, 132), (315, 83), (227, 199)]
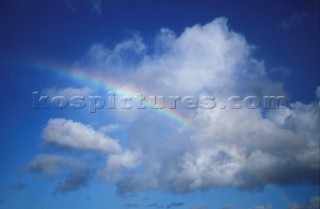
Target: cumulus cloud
[(75, 135), (117, 163), (109, 129), (244, 148), (229, 147)]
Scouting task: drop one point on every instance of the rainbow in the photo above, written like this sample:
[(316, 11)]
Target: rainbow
[(172, 114), (110, 85)]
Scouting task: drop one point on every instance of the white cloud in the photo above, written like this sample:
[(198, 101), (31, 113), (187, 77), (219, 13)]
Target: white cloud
[(211, 60), (109, 128), (69, 134), (214, 60), (224, 147), (67, 92), (117, 163)]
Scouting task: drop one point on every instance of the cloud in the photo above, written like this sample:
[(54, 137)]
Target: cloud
[(228, 206), (117, 163), (73, 181), (74, 174), (313, 203), (100, 57), (75, 135), (67, 92), (175, 204), (318, 92), (244, 148), (300, 20), (130, 205), (94, 6), (51, 165), (268, 206), (109, 129), (280, 72), (200, 207), (18, 186), (154, 205)]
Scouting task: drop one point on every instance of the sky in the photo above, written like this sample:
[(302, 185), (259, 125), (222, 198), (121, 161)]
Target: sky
[(112, 104)]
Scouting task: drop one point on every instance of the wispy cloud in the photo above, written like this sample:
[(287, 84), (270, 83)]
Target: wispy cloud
[(153, 205), (175, 204), (94, 6), (300, 20), (228, 206), (51, 165), (18, 186), (268, 206), (73, 181), (313, 203), (201, 207), (74, 174), (130, 205)]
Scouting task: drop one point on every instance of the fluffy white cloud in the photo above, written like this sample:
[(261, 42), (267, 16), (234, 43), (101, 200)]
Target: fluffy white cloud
[(117, 163), (246, 148), (225, 147), (69, 134)]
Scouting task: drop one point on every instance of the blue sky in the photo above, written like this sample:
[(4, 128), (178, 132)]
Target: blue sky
[(168, 158)]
